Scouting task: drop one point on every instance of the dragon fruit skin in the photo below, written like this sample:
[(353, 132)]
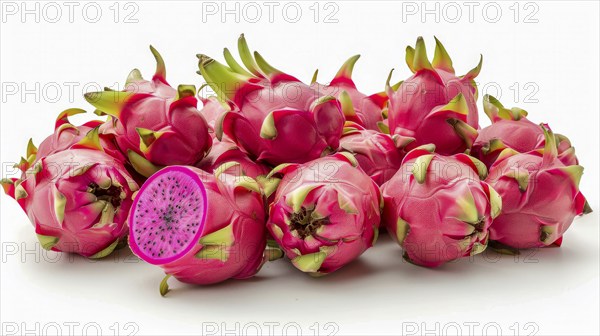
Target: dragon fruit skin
[(226, 151), (356, 106), (157, 86), (511, 129), (213, 111), (434, 105), (540, 194), (66, 135), (325, 213), (153, 123), (228, 244), (274, 117), (437, 208), (77, 200), (379, 155)]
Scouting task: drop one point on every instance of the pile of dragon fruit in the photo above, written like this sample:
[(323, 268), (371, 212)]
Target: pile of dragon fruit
[(272, 167)]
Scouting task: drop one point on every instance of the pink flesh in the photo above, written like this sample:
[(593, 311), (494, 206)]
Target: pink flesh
[(168, 215)]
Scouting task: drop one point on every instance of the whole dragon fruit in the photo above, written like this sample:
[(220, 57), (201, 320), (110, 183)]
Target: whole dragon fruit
[(511, 129), (378, 154), (226, 151), (437, 208), (540, 194), (434, 105), (356, 106), (325, 213), (200, 228), (153, 123), (274, 117), (77, 199)]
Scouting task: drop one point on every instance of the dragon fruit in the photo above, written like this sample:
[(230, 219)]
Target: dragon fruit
[(540, 194), (68, 136), (511, 129), (434, 105), (212, 110), (356, 106), (379, 155), (200, 228), (226, 151), (325, 213), (77, 199), (158, 86), (274, 117), (153, 123), (437, 208)]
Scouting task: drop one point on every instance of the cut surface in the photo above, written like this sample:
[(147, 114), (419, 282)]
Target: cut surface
[(167, 215)]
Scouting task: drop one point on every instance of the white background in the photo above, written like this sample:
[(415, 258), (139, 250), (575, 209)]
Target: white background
[(551, 291)]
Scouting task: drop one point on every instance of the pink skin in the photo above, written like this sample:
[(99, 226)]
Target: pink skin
[(343, 235), (182, 132), (79, 231), (521, 135), (158, 86), (367, 109), (185, 138), (437, 230), (245, 255), (551, 199), (566, 152), (212, 110), (274, 117), (290, 101), (434, 106), (66, 135), (411, 109), (511, 129), (226, 151), (377, 154)]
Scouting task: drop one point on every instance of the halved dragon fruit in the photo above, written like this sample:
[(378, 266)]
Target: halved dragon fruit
[(274, 117), (540, 194), (77, 199), (325, 213), (438, 208), (511, 129), (153, 123), (434, 105), (357, 107), (200, 228)]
